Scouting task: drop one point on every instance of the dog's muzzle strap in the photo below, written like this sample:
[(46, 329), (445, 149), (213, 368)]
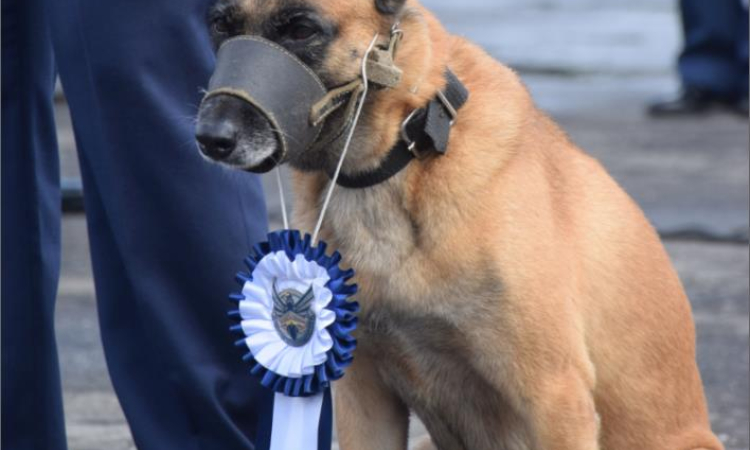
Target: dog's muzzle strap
[(382, 72), (335, 99)]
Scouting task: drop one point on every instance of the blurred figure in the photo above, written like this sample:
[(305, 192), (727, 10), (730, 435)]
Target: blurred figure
[(713, 65), (167, 229)]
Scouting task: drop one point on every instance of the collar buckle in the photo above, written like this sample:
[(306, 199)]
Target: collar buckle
[(448, 107), (411, 145)]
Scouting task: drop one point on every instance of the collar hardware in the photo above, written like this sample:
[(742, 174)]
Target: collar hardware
[(425, 131), (447, 104), (410, 144)]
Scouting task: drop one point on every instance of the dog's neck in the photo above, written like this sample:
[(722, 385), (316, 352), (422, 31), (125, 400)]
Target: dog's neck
[(423, 67), (381, 227), (376, 227)]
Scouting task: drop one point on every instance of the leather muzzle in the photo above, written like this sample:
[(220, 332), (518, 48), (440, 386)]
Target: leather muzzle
[(288, 93), (277, 84)]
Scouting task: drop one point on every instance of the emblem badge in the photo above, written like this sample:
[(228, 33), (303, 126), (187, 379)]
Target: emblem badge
[(293, 317)]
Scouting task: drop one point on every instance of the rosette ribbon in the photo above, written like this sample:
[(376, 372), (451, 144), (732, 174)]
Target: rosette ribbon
[(296, 316)]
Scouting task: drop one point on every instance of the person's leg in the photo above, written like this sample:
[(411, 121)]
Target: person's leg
[(708, 63), (708, 60), (32, 413), (742, 53), (167, 229)]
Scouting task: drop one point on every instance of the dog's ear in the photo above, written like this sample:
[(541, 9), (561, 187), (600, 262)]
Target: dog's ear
[(389, 7)]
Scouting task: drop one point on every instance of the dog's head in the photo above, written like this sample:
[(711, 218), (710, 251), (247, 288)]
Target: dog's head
[(330, 37)]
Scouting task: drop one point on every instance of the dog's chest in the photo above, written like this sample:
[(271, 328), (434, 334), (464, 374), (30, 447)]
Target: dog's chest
[(371, 228), (428, 362), (418, 330), (417, 357)]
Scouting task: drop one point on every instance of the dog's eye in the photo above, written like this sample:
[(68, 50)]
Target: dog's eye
[(301, 32), (299, 29), (220, 26)]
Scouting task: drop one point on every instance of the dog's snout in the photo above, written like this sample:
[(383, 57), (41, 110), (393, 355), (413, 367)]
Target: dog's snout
[(233, 132), (216, 139)]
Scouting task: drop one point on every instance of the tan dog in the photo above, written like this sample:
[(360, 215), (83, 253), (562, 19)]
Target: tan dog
[(513, 296)]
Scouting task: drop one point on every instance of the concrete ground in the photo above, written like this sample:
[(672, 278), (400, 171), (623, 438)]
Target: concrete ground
[(593, 65)]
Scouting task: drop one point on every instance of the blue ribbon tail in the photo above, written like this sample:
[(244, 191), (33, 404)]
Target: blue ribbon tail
[(265, 425), (325, 428)]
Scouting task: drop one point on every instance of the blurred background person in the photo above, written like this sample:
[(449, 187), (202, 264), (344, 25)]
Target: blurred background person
[(713, 65), (167, 230)]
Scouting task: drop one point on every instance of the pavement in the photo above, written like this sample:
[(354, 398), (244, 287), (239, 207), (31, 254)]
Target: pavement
[(593, 65)]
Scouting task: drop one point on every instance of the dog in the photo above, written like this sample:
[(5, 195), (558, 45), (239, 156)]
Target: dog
[(513, 296)]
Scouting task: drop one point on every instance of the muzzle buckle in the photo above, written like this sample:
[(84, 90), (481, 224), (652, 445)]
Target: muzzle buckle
[(381, 66)]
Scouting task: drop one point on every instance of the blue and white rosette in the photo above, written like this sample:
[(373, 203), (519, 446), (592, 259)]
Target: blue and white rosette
[(296, 319)]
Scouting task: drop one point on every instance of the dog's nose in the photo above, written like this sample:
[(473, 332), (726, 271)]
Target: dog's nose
[(216, 139)]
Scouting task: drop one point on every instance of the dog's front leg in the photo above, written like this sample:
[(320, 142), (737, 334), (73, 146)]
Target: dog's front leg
[(368, 415), (549, 380), (562, 414)]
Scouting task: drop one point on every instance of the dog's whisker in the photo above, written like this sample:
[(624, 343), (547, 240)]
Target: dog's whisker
[(286, 136)]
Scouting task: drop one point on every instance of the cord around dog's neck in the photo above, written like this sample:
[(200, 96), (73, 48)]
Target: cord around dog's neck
[(358, 111), (349, 136)]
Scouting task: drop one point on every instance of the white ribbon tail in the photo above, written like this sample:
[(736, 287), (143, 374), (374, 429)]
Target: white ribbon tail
[(295, 422)]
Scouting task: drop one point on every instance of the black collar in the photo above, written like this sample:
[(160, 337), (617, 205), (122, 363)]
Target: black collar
[(425, 130)]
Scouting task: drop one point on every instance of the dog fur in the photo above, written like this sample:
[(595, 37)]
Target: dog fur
[(513, 296)]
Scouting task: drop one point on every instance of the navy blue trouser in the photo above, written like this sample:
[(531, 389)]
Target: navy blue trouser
[(167, 230), (715, 55)]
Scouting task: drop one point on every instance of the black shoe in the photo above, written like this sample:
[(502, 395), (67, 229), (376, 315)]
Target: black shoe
[(690, 101)]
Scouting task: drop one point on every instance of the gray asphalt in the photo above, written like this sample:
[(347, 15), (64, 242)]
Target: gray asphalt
[(593, 65)]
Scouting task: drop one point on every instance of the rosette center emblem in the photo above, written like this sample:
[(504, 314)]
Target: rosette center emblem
[(295, 314), (293, 317)]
